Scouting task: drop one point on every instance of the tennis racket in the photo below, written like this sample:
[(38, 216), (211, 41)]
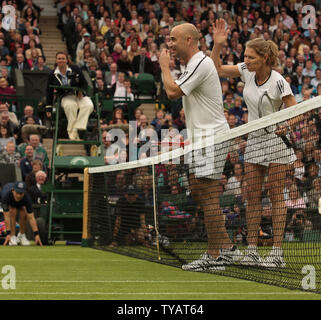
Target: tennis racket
[(261, 114)]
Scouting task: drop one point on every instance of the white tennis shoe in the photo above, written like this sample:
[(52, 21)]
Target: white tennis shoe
[(23, 239), (14, 241)]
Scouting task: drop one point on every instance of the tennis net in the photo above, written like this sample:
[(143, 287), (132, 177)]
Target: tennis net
[(250, 197)]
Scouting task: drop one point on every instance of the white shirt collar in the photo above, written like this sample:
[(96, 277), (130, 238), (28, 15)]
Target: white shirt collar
[(57, 71)]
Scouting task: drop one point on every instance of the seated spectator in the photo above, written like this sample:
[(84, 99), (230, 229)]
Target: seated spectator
[(40, 152), (26, 162), (111, 77), (5, 137), (180, 122), (106, 140), (41, 64), (5, 89), (9, 154), (295, 200), (4, 51), (37, 165), (308, 70), (100, 47), (299, 168), (85, 41), (77, 107), (143, 123), (33, 61), (28, 111), (4, 108), (101, 89), (317, 80), (133, 50), (29, 4), (104, 61), (237, 110), (20, 63), (123, 64), (29, 15), (9, 124), (234, 183), (137, 113), (34, 188), (157, 122), (228, 101), (314, 194), (232, 120), (289, 79), (154, 54), (117, 52), (30, 36), (141, 63), (111, 35), (118, 117), (134, 34), (175, 72), (297, 225), (32, 45), (121, 89)]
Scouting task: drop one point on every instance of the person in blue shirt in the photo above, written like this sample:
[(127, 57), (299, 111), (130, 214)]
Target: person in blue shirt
[(15, 200)]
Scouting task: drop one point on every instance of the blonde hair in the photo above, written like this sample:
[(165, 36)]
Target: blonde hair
[(265, 48)]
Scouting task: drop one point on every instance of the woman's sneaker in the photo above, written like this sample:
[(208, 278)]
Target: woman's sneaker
[(274, 261), (205, 263), (231, 255), (251, 258)]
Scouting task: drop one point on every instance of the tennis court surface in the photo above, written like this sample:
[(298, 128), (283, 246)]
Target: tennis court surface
[(62, 272)]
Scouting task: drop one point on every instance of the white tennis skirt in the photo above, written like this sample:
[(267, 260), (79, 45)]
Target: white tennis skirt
[(265, 148)]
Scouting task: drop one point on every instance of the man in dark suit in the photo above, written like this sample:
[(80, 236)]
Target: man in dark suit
[(20, 63), (141, 63)]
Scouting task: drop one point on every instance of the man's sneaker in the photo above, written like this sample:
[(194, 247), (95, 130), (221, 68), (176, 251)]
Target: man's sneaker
[(205, 263), (274, 261), (14, 241), (231, 255), (252, 259), (23, 239)]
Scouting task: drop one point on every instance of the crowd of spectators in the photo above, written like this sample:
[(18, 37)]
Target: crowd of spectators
[(116, 43)]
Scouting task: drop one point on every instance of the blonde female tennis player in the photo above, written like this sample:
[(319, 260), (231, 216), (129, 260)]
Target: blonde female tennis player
[(265, 91)]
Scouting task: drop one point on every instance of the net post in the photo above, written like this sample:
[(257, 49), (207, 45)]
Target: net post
[(84, 240), (155, 212)]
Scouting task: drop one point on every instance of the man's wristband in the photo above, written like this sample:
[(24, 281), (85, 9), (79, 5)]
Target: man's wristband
[(35, 233)]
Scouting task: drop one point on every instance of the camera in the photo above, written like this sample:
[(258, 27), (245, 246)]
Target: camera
[(74, 79)]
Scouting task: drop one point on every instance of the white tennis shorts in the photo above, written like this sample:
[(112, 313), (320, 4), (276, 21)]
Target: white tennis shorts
[(209, 162)]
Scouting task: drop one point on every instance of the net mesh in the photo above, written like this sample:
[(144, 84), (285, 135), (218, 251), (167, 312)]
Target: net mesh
[(245, 205)]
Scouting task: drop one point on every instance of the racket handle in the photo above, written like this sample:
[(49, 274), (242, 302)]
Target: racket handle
[(286, 141)]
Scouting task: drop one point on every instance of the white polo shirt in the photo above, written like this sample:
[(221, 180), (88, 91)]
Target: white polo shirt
[(202, 100), (275, 86)]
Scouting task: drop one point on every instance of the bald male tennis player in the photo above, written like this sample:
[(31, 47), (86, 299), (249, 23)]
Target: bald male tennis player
[(200, 89)]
